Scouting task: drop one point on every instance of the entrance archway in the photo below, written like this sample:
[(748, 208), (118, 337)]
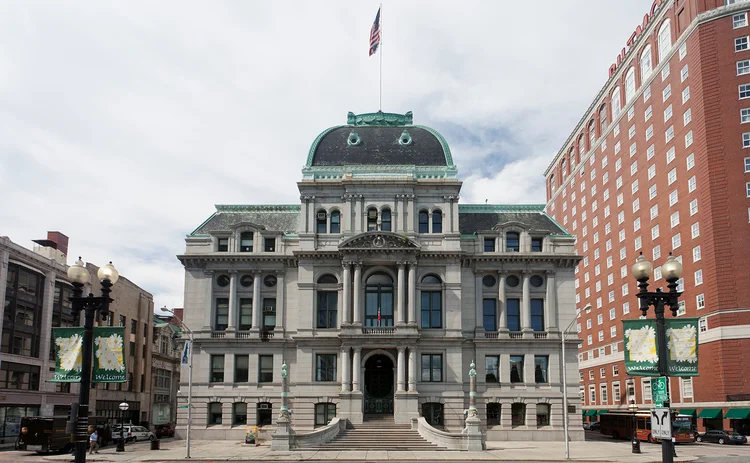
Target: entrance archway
[(379, 380)]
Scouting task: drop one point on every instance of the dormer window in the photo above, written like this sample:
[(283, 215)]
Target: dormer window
[(321, 221), (536, 244), (489, 245), (246, 242), (372, 219), (424, 222), (335, 222), (223, 245), (512, 242), (270, 244), (385, 220)]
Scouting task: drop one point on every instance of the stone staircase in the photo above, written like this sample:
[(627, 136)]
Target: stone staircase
[(378, 432)]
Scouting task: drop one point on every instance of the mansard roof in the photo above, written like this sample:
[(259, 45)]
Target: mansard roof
[(473, 218), (281, 218)]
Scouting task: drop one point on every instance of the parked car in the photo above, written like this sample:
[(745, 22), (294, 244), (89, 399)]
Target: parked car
[(133, 433), (164, 430), (721, 437), (595, 426)]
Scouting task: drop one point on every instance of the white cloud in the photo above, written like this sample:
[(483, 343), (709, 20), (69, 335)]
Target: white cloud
[(121, 124)]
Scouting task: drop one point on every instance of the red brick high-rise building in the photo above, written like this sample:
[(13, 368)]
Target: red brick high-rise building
[(660, 163)]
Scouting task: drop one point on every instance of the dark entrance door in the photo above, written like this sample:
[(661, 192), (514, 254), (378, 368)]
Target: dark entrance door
[(379, 385)]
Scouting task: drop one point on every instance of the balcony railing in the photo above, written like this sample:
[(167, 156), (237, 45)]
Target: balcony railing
[(540, 335), (266, 334), (242, 334), (378, 330), (491, 334), (516, 335), (218, 334)]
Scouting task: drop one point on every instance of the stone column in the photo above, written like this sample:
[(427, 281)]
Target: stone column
[(280, 313), (358, 293), (395, 219), (412, 369), (49, 300), (345, 366), (281, 438), (346, 303), (478, 302), (257, 303), (208, 302), (360, 213), (231, 325), (404, 215), (4, 257), (306, 209), (346, 220), (410, 212), (550, 305), (357, 369), (412, 293), (400, 369), (502, 317), (526, 303), (401, 288)]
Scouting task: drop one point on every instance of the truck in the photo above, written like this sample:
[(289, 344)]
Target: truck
[(47, 434)]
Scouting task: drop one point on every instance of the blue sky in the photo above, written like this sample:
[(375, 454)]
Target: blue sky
[(122, 124)]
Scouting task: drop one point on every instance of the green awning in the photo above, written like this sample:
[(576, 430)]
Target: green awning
[(589, 413), (737, 413), (687, 411), (710, 413), (601, 412)]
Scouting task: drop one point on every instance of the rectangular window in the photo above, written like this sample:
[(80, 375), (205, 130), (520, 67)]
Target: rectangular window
[(492, 369), (493, 414), (269, 244), (743, 67), (665, 72), (325, 367), (631, 131), (700, 301), (695, 230), (265, 368), (739, 20), (674, 219), (646, 94), (672, 176), (217, 369), (688, 139), (222, 314), (489, 317), (223, 245), (668, 113), (744, 90), (432, 368), (698, 277), (740, 44), (241, 363), (246, 314), (693, 207), (537, 314), (489, 244), (669, 134), (431, 309), (239, 414), (673, 198), (646, 389), (655, 231), (650, 152), (516, 369), (685, 95), (540, 369), (633, 168), (536, 243), (327, 309), (513, 314), (652, 192), (676, 241), (696, 254), (649, 132), (269, 313), (615, 390)]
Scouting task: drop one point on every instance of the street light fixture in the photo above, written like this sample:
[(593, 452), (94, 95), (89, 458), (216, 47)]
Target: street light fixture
[(190, 379), (671, 271), (635, 443), (90, 305), (565, 381), (121, 443)]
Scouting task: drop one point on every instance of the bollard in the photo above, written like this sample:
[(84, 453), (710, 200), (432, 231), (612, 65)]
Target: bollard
[(155, 444)]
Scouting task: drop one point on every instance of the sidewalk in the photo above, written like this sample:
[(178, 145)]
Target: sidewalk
[(590, 451)]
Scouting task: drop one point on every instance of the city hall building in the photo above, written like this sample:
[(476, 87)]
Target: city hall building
[(378, 290)]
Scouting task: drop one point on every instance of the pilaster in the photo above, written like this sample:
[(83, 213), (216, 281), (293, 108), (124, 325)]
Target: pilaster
[(346, 306), (502, 316), (208, 303), (550, 305), (400, 297), (257, 303), (280, 304), (357, 293), (231, 325)]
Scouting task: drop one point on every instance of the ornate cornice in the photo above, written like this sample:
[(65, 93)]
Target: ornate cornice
[(379, 119)]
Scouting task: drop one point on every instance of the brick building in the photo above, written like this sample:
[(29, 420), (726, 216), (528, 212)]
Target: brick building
[(660, 163)]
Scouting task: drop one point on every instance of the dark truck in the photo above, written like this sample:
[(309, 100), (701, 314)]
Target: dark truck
[(56, 433)]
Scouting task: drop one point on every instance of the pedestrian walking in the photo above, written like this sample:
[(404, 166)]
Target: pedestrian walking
[(94, 442)]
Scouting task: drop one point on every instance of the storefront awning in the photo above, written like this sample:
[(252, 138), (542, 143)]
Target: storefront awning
[(737, 413), (687, 411), (601, 412), (710, 413), (589, 413)]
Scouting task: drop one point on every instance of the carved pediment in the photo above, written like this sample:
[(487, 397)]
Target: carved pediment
[(379, 241)]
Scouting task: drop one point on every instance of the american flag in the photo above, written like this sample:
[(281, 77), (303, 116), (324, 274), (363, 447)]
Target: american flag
[(375, 34)]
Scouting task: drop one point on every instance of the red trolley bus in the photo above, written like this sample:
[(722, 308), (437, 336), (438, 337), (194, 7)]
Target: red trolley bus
[(619, 425)]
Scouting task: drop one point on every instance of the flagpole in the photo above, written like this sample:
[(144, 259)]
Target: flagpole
[(381, 58)]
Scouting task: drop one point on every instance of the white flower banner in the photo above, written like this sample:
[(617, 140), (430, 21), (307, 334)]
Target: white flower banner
[(109, 355), (68, 354), (642, 352)]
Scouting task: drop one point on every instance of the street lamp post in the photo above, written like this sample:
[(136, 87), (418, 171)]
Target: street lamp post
[(121, 443), (671, 271), (90, 305), (635, 443), (190, 380), (565, 382)]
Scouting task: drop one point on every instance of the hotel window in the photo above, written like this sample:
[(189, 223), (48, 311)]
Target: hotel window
[(667, 92), (592, 133), (680, 306), (687, 388), (611, 296), (588, 324), (740, 44), (684, 73), (664, 40), (609, 258), (680, 283), (743, 67), (685, 94), (670, 155), (592, 394), (629, 85), (631, 132), (700, 301), (618, 184), (655, 231), (637, 224), (646, 94), (600, 335), (616, 107), (695, 230), (665, 72), (325, 367), (603, 117), (632, 150), (617, 147), (625, 289), (631, 112), (672, 176), (246, 242), (746, 140), (649, 132), (656, 252), (676, 241), (698, 277), (607, 228), (638, 243), (241, 368), (626, 308), (744, 90), (739, 20), (621, 217), (673, 198), (669, 134), (634, 168), (647, 114), (687, 116), (652, 192), (747, 165), (612, 312), (618, 165), (652, 172), (668, 113), (693, 207), (599, 319), (654, 211), (674, 219), (217, 369), (745, 115), (636, 205), (613, 331), (645, 62), (624, 271), (696, 254), (691, 184), (747, 189), (623, 253), (650, 152)]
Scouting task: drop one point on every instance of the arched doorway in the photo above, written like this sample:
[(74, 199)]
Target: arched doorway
[(379, 300), (379, 385)]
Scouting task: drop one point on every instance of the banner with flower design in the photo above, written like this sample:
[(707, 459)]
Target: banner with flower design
[(682, 344), (109, 356), (68, 354)]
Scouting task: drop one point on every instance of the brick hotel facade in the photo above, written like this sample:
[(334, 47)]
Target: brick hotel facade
[(659, 163)]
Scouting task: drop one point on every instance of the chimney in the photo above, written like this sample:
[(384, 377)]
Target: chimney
[(54, 247)]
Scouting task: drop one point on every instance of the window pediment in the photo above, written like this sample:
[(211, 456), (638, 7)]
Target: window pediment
[(379, 241)]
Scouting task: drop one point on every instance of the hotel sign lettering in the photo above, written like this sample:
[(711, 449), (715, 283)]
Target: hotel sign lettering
[(636, 33)]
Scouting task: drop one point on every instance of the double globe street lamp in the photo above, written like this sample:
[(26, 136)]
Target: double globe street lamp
[(671, 270), (90, 305)]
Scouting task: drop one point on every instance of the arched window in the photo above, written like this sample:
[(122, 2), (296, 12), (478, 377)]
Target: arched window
[(581, 146), (437, 221), (552, 182), (328, 298), (246, 242), (263, 414), (379, 300), (603, 118), (424, 221), (665, 40), (572, 156), (385, 219), (432, 302), (646, 66), (372, 219), (629, 85), (335, 222), (321, 218), (616, 107), (592, 133), (512, 242), (564, 167), (433, 413), (324, 413)]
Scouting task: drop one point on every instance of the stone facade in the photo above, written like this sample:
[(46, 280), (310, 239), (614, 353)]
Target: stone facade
[(378, 290)]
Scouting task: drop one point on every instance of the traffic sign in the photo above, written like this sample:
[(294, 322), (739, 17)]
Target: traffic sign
[(182, 406), (660, 390), (661, 423)]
